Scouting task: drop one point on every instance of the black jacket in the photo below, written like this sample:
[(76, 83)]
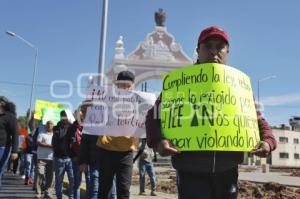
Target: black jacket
[(9, 131), (59, 141), (71, 138)]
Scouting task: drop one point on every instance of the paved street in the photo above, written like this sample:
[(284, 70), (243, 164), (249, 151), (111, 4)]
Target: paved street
[(13, 187), (135, 190), (281, 178)]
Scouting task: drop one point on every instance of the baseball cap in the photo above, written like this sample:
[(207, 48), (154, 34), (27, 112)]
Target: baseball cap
[(213, 31), (125, 76)]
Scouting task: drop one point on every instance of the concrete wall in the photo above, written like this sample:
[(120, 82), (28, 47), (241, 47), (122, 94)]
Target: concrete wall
[(288, 147)]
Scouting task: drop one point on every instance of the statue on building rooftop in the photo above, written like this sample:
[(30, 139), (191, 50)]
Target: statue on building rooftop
[(160, 17)]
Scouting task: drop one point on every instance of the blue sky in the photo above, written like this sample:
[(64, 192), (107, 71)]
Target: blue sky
[(263, 41)]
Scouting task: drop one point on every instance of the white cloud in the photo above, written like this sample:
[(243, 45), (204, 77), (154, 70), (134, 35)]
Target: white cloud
[(7, 93), (281, 99)]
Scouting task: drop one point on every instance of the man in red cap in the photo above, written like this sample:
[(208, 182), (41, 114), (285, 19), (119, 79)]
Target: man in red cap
[(207, 174), (213, 46)]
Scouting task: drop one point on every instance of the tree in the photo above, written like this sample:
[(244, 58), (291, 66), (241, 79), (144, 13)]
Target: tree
[(22, 121)]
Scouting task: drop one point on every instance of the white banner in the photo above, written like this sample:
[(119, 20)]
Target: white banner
[(117, 112)]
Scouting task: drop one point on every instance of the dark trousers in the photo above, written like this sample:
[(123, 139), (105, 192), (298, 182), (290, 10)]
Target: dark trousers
[(221, 185), (119, 164), (19, 163)]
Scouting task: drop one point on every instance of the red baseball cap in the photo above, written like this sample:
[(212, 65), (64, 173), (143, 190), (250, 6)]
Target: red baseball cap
[(213, 31)]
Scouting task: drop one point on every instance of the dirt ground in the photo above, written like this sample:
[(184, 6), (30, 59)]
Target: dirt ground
[(247, 190), (269, 190)]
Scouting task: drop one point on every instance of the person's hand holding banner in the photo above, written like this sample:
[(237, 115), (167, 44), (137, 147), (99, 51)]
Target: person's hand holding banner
[(166, 148), (83, 108), (116, 112), (262, 149), (14, 156)]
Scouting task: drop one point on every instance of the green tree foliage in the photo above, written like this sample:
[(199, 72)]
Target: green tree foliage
[(22, 121)]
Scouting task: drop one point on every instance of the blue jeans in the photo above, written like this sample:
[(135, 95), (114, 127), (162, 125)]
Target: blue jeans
[(21, 163), (29, 166), (78, 178), (4, 156), (34, 169), (145, 166), (61, 166), (92, 182), (33, 163)]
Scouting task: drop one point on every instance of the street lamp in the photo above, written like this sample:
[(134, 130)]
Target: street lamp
[(263, 161), (261, 80), (10, 33), (103, 40)]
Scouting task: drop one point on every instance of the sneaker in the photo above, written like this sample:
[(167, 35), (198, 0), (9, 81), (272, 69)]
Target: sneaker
[(142, 193), (153, 193), (38, 196), (23, 177)]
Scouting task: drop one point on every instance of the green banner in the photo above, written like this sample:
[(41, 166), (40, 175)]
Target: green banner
[(209, 107), (45, 110)]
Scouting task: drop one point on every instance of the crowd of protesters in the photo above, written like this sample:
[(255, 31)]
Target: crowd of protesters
[(44, 156)]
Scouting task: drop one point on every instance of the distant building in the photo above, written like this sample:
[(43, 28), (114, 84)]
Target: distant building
[(295, 123), (288, 149)]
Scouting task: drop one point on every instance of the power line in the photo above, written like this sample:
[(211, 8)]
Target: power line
[(281, 106), (22, 84), (37, 85)]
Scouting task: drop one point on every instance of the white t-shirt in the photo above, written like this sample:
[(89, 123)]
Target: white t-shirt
[(45, 153)]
